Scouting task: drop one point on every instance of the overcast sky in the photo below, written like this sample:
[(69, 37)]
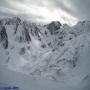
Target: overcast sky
[(66, 11)]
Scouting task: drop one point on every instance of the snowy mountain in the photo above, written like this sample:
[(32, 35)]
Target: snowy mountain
[(54, 51)]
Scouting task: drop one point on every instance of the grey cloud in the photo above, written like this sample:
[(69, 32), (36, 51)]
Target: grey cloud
[(82, 7), (59, 4), (7, 9), (78, 9)]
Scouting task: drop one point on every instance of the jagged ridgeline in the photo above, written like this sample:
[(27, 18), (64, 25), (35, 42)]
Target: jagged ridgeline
[(50, 50)]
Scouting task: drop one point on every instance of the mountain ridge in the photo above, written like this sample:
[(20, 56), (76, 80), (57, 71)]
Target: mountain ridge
[(52, 51)]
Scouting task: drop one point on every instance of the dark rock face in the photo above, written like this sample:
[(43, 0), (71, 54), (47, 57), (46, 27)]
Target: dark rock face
[(18, 21), (27, 36), (43, 46), (53, 27), (4, 37), (35, 31), (45, 32), (22, 51), (1, 23), (16, 28), (13, 21)]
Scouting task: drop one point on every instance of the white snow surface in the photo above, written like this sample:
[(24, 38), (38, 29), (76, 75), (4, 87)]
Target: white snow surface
[(41, 60)]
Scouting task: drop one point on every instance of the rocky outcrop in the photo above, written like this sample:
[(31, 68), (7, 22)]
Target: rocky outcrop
[(53, 27), (4, 37)]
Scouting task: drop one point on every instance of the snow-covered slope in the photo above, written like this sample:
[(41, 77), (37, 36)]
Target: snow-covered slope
[(12, 79), (54, 51)]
